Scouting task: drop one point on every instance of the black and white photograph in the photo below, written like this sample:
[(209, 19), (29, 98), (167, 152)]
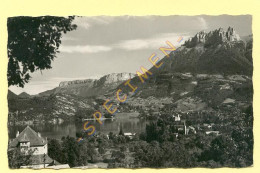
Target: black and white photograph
[(130, 92)]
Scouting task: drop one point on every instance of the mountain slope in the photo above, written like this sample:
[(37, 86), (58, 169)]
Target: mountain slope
[(90, 87), (208, 69), (46, 109), (216, 52), (24, 95), (11, 95), (64, 101)]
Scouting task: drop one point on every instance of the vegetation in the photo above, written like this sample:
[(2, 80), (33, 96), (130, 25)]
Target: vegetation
[(164, 143), (16, 158), (32, 44), (159, 147)]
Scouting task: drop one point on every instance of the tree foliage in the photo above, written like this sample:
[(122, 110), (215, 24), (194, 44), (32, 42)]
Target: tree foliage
[(32, 44), (16, 158), (55, 150)]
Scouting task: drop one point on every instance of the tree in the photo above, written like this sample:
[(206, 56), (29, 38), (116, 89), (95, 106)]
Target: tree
[(32, 44), (101, 150), (71, 150), (118, 156), (149, 156), (16, 158), (121, 131), (55, 150), (83, 156), (91, 152), (82, 114)]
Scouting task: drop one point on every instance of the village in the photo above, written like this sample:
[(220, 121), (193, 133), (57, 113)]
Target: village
[(28, 142)]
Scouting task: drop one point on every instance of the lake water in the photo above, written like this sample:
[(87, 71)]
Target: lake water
[(127, 121)]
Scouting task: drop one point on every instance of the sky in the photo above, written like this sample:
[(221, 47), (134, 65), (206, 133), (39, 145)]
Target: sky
[(104, 44)]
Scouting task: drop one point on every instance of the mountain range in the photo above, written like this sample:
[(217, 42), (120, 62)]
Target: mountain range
[(208, 70), (216, 52), (90, 87)]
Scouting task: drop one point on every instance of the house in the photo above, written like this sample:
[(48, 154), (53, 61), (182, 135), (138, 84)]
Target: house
[(180, 127), (28, 140), (130, 135), (31, 142), (177, 118), (191, 129), (213, 132)]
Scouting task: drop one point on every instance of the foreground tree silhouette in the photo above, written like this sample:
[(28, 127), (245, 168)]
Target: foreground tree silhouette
[(32, 44)]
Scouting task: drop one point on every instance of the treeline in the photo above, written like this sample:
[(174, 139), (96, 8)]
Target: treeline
[(159, 147)]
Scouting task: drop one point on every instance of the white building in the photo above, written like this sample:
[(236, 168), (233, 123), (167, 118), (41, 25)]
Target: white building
[(30, 142)]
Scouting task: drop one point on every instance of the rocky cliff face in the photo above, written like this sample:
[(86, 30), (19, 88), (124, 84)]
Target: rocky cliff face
[(218, 36), (231, 35), (90, 87), (215, 52), (75, 82), (105, 80), (115, 77)]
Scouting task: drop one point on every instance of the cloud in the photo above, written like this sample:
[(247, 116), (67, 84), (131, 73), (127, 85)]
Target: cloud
[(133, 44), (203, 23), (151, 43), (84, 49), (129, 45), (87, 22), (197, 23), (159, 40)]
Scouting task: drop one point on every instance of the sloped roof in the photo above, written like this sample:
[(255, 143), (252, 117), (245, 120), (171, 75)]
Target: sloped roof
[(24, 138), (28, 135)]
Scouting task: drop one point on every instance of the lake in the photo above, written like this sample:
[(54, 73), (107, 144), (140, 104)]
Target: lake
[(129, 122)]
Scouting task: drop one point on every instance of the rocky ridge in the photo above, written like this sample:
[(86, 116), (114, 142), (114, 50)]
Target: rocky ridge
[(213, 37)]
